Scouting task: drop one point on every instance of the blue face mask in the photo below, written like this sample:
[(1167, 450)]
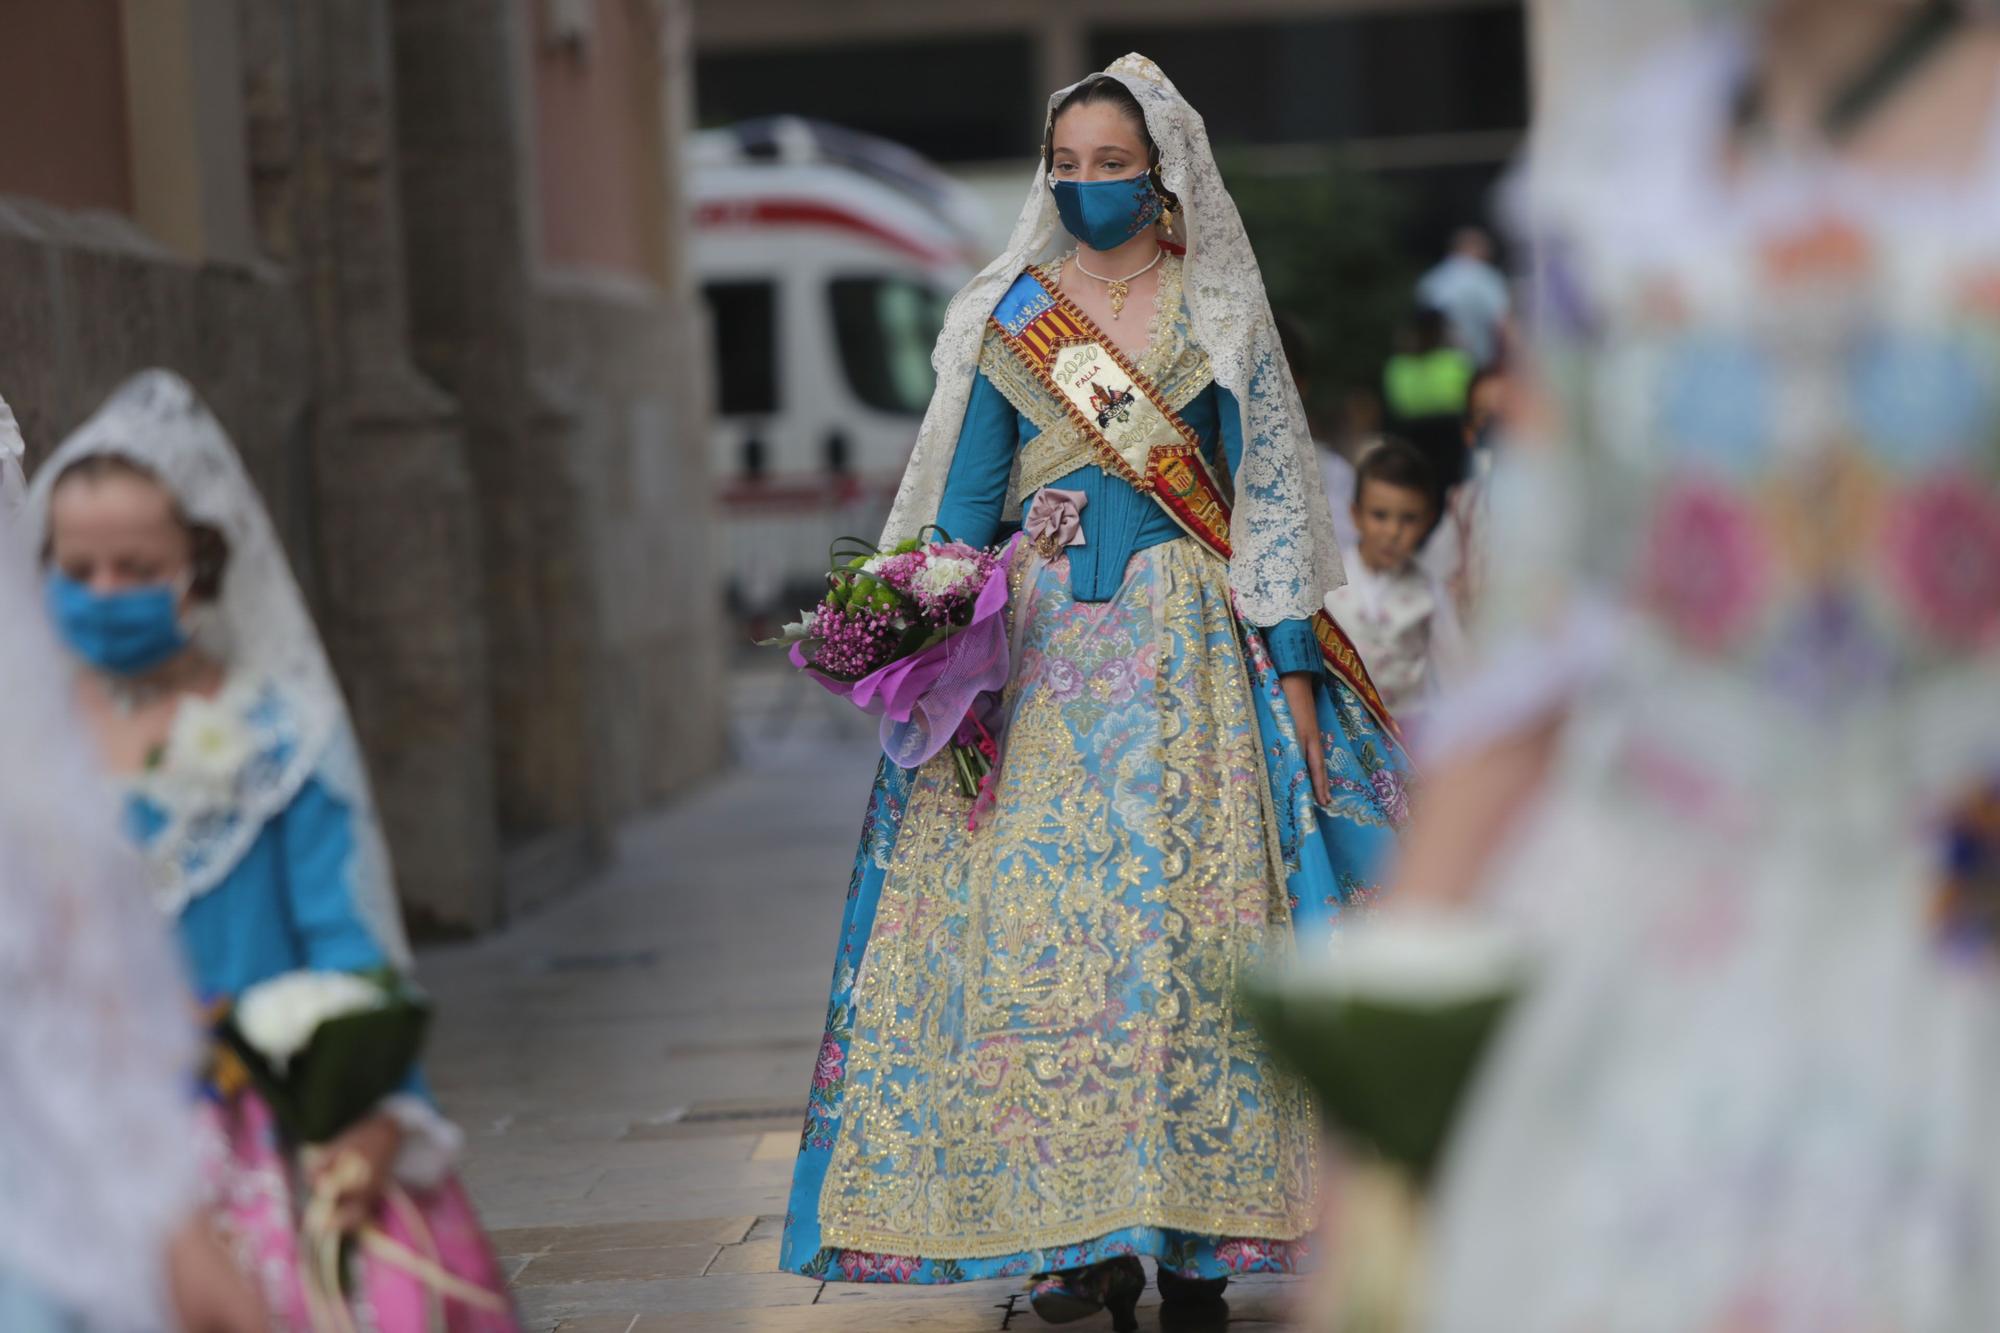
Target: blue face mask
[(125, 633), (1106, 214)]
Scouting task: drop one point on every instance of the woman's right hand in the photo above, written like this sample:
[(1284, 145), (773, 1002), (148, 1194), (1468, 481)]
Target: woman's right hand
[(210, 1293), (1464, 812)]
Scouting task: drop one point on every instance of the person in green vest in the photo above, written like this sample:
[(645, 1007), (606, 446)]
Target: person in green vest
[(1431, 377)]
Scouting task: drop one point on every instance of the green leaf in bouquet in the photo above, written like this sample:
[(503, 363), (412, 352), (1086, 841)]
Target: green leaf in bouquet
[(270, 1085), (1390, 1064), (351, 1064), (917, 638), (844, 551)]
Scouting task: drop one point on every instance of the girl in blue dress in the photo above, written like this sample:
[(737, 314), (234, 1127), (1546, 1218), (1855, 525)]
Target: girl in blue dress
[(214, 707), (100, 1221), (1034, 1064)]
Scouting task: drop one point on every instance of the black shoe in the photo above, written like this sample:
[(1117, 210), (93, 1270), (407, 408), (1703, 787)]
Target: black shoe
[(1189, 1291), (1078, 1293)]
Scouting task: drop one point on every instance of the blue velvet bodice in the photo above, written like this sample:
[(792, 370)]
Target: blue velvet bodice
[(1118, 521), (285, 906)]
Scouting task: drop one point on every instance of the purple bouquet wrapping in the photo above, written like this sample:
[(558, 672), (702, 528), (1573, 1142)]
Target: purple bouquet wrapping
[(916, 636)]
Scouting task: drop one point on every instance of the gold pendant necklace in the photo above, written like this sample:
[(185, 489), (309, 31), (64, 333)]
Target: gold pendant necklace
[(1117, 289)]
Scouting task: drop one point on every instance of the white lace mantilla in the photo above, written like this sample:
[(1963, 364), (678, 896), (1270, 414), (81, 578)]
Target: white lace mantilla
[(285, 689), (96, 1046), (233, 764), (1286, 559), (13, 455)]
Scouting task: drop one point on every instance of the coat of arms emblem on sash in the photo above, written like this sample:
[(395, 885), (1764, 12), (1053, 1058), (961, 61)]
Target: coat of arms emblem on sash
[(1110, 404)]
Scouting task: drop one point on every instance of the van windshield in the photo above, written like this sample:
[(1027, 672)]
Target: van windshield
[(885, 327)]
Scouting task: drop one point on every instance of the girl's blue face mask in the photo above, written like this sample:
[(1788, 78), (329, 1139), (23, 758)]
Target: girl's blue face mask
[(125, 633), (1106, 214)]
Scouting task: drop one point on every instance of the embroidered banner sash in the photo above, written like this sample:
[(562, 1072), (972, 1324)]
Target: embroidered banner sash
[(1139, 438)]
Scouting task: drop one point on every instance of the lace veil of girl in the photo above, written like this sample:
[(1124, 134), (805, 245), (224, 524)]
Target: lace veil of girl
[(259, 627), (13, 453), (1286, 559)]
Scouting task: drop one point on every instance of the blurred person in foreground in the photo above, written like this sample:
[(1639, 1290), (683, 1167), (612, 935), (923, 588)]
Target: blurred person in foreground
[(1035, 1065), (1472, 294), (101, 1229), (1400, 617), (201, 678), (1729, 764)]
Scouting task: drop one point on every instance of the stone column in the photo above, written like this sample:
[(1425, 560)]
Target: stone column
[(395, 526), (463, 130)]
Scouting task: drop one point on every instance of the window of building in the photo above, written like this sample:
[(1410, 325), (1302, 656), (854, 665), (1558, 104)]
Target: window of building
[(68, 139), (885, 328), (745, 319), (959, 100), (1368, 75)]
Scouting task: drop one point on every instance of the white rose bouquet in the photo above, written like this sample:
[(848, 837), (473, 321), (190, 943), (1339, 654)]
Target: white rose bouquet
[(1390, 1026), (324, 1048), (1389, 1029)]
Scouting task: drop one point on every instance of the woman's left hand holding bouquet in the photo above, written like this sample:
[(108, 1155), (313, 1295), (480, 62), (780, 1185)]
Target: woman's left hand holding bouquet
[(357, 1166), (327, 1049)]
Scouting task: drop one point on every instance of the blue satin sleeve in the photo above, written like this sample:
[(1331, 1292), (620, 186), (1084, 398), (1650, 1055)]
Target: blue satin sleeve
[(316, 835), (975, 490), (1293, 648), (1117, 519)]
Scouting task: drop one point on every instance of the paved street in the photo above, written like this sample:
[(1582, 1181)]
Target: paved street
[(630, 1067)]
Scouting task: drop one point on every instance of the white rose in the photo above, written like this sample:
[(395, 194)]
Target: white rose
[(944, 574), (1420, 960), (278, 1017), (209, 743)]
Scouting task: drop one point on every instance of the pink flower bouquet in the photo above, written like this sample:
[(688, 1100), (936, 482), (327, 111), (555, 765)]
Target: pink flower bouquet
[(914, 635)]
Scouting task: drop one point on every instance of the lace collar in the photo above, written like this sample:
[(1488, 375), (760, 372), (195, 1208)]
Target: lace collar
[(231, 764)]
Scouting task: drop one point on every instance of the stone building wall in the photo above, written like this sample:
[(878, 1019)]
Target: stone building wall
[(347, 269)]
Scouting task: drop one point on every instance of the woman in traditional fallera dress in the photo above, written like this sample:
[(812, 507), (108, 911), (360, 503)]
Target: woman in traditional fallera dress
[(1034, 1063), (216, 711), (1742, 672)]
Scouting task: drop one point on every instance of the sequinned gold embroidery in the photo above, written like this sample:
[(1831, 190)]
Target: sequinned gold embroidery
[(1047, 1046)]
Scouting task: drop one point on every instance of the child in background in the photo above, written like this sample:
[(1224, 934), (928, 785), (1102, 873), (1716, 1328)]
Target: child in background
[(1400, 617)]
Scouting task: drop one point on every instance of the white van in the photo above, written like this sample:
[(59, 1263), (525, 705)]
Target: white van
[(825, 258)]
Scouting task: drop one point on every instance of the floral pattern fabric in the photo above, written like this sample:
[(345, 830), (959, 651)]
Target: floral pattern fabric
[(254, 1192), (1082, 1065), (1749, 1089)]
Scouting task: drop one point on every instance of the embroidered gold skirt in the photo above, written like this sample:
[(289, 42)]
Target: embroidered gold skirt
[(1046, 1046)]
